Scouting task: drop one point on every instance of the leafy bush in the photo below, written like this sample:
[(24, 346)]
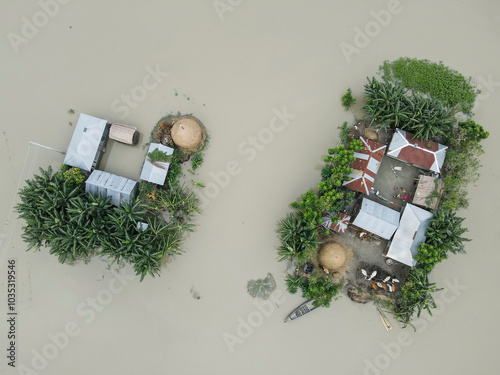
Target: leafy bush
[(293, 283), (429, 256), (344, 133), (415, 296), (175, 171), (462, 163), (320, 288), (74, 176), (444, 234), (435, 79), (347, 99), (158, 155), (196, 161)]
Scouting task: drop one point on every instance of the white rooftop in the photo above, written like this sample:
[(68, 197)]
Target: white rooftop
[(377, 219), (157, 172), (84, 144), (409, 235)]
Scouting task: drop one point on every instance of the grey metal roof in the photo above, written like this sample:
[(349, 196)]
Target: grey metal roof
[(377, 219), (119, 188), (157, 172), (409, 235), (84, 144)]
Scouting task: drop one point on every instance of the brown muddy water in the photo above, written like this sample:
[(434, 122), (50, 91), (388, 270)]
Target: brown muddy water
[(271, 70)]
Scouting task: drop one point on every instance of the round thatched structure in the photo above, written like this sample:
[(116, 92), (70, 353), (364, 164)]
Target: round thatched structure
[(332, 255), (188, 133), (371, 134)]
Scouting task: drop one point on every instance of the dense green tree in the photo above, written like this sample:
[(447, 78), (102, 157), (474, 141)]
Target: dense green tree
[(320, 288)]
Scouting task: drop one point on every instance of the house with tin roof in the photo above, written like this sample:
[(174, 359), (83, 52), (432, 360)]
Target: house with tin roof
[(410, 233), (377, 219), (365, 167), (424, 154)]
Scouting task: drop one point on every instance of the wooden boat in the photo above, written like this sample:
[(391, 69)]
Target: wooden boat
[(303, 309), (387, 324)]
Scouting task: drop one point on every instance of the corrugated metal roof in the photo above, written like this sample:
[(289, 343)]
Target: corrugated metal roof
[(427, 154), (157, 172), (119, 188), (366, 165), (84, 145), (377, 219), (409, 235)]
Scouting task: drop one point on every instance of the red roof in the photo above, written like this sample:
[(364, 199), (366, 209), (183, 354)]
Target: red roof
[(366, 166), (426, 154), (339, 226)]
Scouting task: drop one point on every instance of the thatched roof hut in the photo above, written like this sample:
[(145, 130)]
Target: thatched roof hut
[(188, 133), (332, 255)]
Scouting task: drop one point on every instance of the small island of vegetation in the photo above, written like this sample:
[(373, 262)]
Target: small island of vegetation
[(77, 218), (389, 193)]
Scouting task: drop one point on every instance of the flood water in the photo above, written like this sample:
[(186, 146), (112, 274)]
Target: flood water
[(274, 71)]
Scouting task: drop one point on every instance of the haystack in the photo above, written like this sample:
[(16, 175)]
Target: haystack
[(371, 134), (332, 255), (188, 133)]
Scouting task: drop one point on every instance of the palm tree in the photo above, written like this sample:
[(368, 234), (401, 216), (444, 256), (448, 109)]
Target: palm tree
[(297, 237)]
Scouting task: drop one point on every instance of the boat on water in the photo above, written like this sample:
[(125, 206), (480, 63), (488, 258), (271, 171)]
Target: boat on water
[(303, 309)]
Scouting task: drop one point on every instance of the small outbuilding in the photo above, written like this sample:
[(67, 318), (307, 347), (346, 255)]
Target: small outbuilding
[(124, 133), (188, 133), (366, 165), (120, 189), (424, 154), (88, 143), (410, 233), (156, 172), (377, 219), (429, 192), (340, 225)]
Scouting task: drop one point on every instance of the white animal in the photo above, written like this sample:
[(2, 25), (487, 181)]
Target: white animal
[(364, 273), (390, 287), (374, 273), (395, 280), (379, 284), (386, 279)]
